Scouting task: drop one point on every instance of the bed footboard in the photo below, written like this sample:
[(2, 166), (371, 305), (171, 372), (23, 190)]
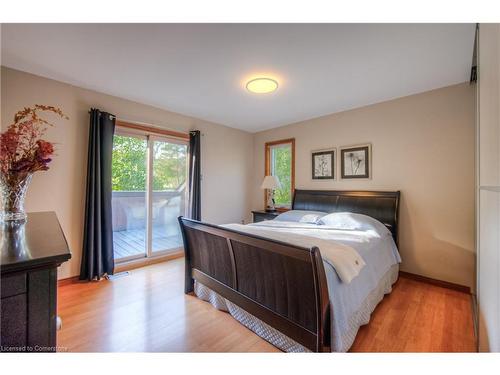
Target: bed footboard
[(281, 284)]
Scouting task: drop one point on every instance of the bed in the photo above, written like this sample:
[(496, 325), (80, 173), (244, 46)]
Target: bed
[(283, 289)]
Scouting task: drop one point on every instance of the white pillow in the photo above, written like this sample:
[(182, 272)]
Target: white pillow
[(301, 216), (352, 221)]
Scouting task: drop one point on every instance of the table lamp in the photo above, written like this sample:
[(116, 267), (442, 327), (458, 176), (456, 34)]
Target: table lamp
[(270, 183)]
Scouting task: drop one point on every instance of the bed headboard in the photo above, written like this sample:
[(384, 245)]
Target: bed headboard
[(381, 205)]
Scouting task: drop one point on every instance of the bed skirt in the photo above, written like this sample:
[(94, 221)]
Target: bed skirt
[(341, 341)]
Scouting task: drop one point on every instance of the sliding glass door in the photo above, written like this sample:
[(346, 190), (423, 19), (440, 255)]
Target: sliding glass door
[(129, 201), (149, 193), (168, 193)]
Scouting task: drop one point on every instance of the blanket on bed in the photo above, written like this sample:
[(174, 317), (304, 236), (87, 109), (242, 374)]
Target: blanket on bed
[(343, 258)]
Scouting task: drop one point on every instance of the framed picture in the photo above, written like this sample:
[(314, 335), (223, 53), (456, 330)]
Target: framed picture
[(355, 161), (323, 165)]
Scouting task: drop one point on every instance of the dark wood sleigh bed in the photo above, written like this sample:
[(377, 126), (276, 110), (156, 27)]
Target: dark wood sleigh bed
[(281, 284)]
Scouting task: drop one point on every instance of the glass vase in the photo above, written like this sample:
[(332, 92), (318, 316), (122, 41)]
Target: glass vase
[(13, 189), (13, 244)]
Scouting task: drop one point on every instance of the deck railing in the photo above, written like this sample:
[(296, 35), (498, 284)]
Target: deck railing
[(129, 208)]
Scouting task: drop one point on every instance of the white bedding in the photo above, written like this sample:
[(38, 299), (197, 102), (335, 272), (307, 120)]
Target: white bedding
[(345, 259)]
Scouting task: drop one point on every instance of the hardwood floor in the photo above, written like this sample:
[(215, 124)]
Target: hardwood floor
[(148, 312), (419, 317)]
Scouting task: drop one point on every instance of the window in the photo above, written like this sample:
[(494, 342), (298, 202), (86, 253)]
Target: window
[(280, 162), (149, 174)]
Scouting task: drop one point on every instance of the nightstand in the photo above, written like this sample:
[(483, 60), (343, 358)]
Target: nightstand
[(264, 215)]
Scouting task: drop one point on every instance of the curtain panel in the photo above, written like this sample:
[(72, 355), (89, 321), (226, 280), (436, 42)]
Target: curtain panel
[(195, 175), (97, 257)]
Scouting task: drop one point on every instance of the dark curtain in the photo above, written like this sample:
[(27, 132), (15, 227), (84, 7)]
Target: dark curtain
[(195, 175), (98, 259)]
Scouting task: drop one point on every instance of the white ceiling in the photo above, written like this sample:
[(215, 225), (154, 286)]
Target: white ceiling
[(200, 69)]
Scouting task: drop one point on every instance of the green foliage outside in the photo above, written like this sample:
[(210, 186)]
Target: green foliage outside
[(169, 165), (282, 167), (129, 164)]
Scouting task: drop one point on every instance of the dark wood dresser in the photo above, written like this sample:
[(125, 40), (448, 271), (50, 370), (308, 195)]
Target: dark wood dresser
[(31, 251)]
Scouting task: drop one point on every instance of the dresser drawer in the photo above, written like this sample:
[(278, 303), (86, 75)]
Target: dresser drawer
[(13, 323), (12, 285)]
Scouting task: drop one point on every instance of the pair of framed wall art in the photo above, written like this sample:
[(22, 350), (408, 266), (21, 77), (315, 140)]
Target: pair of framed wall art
[(355, 162)]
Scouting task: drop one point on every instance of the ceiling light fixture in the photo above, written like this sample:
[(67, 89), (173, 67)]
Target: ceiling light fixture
[(262, 85)]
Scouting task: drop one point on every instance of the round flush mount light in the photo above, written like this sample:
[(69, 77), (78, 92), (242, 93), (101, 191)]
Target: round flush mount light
[(262, 85)]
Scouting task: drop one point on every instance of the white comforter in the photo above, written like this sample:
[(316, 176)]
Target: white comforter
[(343, 258)]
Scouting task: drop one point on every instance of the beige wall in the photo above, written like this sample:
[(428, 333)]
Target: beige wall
[(225, 154), (422, 145)]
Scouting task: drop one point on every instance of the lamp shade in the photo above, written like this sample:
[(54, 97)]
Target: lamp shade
[(271, 182)]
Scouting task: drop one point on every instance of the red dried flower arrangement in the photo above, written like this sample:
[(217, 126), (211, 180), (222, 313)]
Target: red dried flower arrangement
[(23, 152)]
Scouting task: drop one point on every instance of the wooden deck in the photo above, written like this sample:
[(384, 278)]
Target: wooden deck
[(128, 243)]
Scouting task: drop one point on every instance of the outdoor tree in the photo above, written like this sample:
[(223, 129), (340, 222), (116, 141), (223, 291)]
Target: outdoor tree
[(282, 169), (129, 171)]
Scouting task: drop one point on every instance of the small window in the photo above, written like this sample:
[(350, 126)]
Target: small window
[(280, 162)]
